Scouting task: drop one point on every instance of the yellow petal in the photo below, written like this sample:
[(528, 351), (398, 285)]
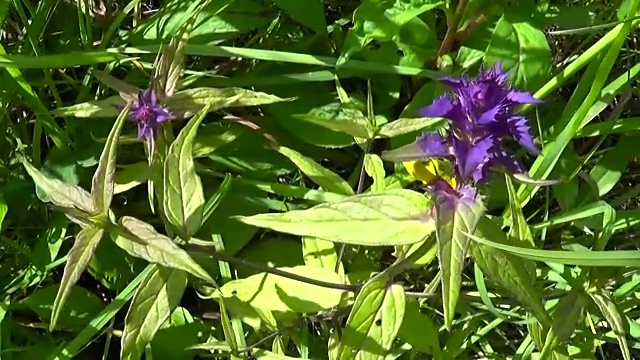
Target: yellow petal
[(429, 170)]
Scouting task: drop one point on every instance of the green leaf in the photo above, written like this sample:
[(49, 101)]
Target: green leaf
[(130, 176), (409, 125), (157, 297), (508, 271), (280, 294), (79, 256), (183, 195), (453, 223), (611, 167), (306, 12), (319, 253), (141, 240), (127, 92), (373, 323), (419, 330), (374, 167), (519, 227), (394, 217), (81, 306), (521, 47), (102, 186), (343, 121), (568, 313), (187, 102), (70, 198), (614, 317), (325, 178), (170, 62), (381, 20), (106, 108)]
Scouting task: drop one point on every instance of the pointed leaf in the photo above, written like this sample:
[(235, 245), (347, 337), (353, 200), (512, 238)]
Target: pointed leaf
[(342, 122), (618, 323), (280, 294), (409, 125), (127, 92), (373, 323), (106, 108), (183, 195), (70, 198), (525, 179), (157, 296), (394, 217), (508, 271), (325, 178), (79, 256), (141, 240), (170, 63), (453, 223), (319, 253), (186, 102), (419, 330), (375, 169), (519, 228), (102, 186), (568, 313)]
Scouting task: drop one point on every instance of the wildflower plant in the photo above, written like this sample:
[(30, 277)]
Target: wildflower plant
[(365, 251)]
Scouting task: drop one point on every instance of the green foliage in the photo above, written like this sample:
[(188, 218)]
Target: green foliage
[(270, 180)]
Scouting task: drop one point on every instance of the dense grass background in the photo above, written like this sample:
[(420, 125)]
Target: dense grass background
[(580, 57)]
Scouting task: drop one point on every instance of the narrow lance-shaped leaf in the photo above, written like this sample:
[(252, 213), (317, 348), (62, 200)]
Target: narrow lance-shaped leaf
[(508, 271), (157, 297), (373, 323), (455, 218), (171, 61), (102, 186), (618, 323), (127, 92), (79, 256), (394, 217), (408, 125), (68, 197), (187, 102), (325, 178), (183, 195), (141, 240), (105, 108)]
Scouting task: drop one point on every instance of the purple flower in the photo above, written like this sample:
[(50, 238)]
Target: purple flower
[(481, 114), (148, 114)]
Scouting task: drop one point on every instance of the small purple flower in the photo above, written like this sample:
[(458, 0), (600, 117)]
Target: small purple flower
[(148, 114)]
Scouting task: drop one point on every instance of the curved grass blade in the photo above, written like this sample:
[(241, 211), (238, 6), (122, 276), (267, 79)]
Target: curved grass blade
[(127, 91)]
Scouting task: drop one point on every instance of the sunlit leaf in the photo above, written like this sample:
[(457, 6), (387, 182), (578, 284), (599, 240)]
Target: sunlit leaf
[(373, 323), (280, 294), (183, 195), (409, 125), (375, 169), (106, 108), (393, 217), (102, 186), (79, 256), (187, 102), (453, 223), (419, 330), (319, 253), (157, 296), (142, 240), (326, 178), (70, 198)]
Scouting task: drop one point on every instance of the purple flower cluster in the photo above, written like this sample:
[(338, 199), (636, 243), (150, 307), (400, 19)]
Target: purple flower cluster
[(481, 115)]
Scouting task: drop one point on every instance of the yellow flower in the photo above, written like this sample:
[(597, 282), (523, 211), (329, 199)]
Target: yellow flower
[(431, 169)]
